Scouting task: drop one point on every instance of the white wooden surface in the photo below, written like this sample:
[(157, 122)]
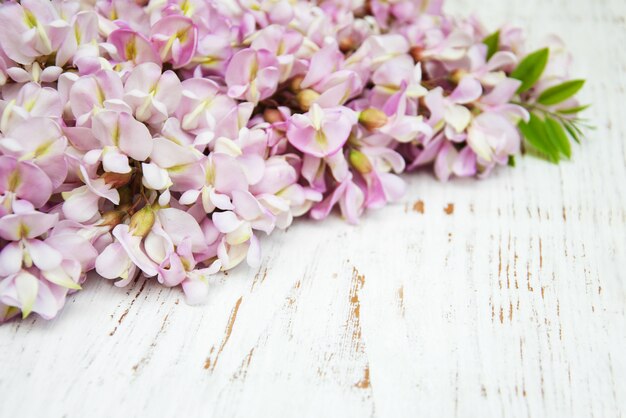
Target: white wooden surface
[(510, 303)]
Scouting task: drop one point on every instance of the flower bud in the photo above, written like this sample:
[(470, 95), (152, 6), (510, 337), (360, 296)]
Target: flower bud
[(373, 118), (116, 180), (416, 53), (142, 221), (36, 72), (347, 44), (294, 86), (112, 218), (272, 116), (306, 98), (458, 75), (360, 162)]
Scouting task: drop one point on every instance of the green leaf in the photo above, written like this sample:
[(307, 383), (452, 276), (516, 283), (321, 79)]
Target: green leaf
[(493, 44), (530, 69), (558, 136), (560, 93), (573, 131), (573, 110), (535, 132)]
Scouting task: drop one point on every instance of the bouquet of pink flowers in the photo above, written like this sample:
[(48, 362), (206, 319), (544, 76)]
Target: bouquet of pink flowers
[(163, 137)]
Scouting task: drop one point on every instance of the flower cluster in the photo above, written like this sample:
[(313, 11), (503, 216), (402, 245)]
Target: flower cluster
[(164, 137)]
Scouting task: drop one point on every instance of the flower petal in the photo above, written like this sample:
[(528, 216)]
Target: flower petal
[(112, 261), (10, 259), (135, 139), (180, 225), (26, 286), (44, 256), (226, 221)]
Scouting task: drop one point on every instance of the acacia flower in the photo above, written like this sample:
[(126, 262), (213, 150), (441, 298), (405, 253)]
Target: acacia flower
[(321, 132), (202, 106), (82, 203), (131, 46), (90, 94), (121, 137), (163, 248), (41, 141), (252, 75), (36, 274), (31, 100), (23, 180), (450, 113), (350, 199), (175, 39), (31, 29), (152, 94)]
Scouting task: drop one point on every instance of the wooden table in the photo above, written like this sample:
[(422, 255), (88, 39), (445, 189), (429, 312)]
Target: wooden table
[(503, 297)]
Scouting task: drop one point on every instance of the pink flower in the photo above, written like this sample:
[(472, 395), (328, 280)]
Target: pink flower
[(82, 203), (321, 132), (40, 141), (378, 49), (121, 137), (281, 42), (202, 106), (374, 165), (152, 94), (447, 47), (493, 138), (390, 77), (28, 224), (449, 161), (196, 283), (326, 75), (231, 256), (95, 92), (131, 46), (31, 100), (124, 257), (279, 193), (36, 274), (403, 125), (489, 72), (237, 231), (499, 98), (175, 38), (252, 75), (269, 11), (183, 163), (23, 180), (350, 199), (450, 113), (315, 170), (166, 251), (80, 40), (30, 30)]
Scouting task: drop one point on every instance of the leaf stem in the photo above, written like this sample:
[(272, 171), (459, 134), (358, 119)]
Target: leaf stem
[(555, 115)]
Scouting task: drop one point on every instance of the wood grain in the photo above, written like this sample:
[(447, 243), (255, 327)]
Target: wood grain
[(503, 297)]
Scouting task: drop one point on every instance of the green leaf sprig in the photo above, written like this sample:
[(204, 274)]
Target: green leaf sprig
[(548, 132)]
